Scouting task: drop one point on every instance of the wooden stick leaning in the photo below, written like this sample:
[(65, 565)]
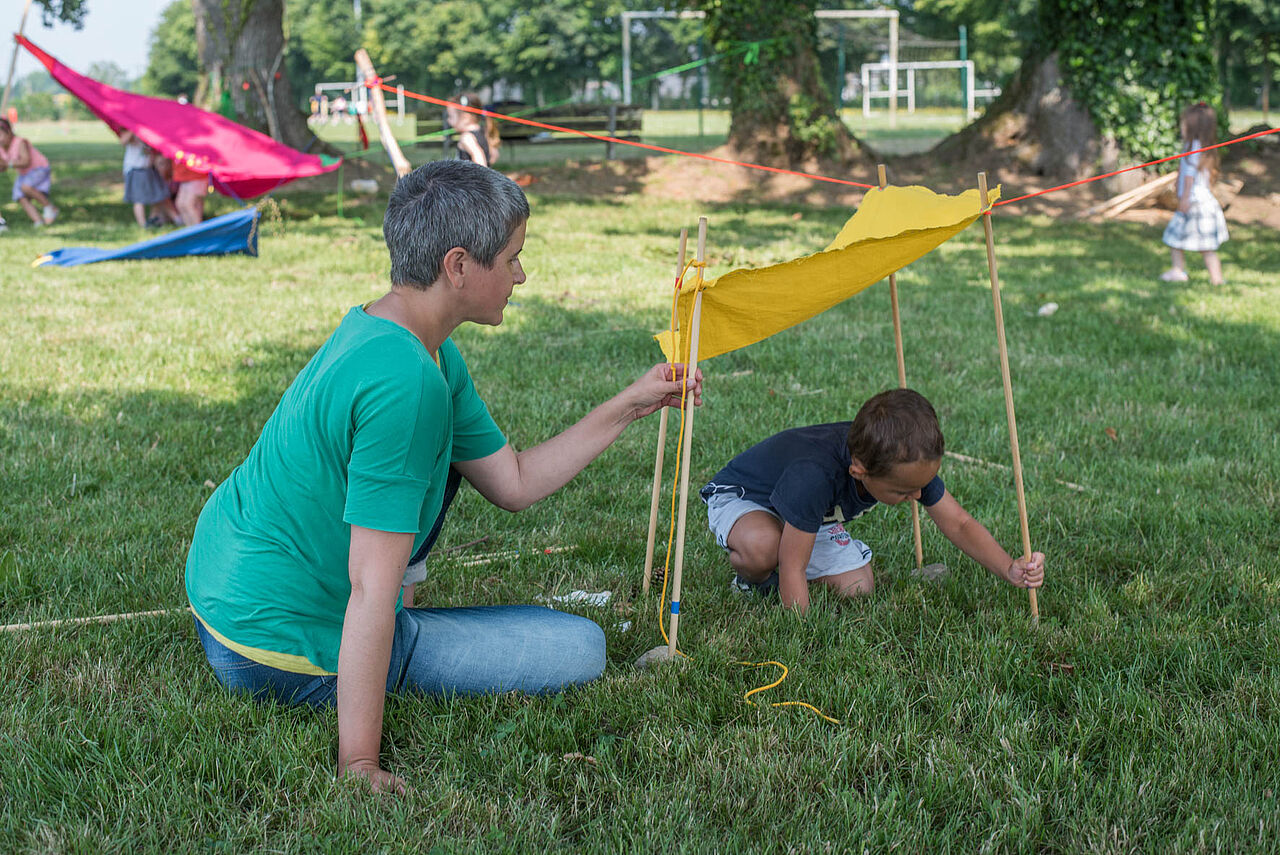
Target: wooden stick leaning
[(398, 160), (902, 376), (690, 372), (1008, 382), (662, 442), (43, 624), (13, 60), (1122, 202)]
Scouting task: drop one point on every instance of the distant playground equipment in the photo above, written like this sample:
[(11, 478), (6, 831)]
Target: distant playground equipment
[(879, 80), (877, 74)]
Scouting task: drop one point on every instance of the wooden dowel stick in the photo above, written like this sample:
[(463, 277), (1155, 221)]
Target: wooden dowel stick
[(662, 443), (1008, 383), (691, 371), (43, 624), (902, 376), (398, 160), (13, 60)]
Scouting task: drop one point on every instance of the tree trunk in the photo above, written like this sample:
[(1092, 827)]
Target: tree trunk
[(781, 113), (241, 50), (1037, 122), (1266, 80)]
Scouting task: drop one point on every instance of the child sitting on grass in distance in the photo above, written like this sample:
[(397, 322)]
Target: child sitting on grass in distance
[(779, 507)]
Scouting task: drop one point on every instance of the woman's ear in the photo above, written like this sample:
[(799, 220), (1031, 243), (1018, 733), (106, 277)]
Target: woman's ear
[(453, 265)]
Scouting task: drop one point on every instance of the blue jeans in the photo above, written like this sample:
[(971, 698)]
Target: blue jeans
[(465, 651)]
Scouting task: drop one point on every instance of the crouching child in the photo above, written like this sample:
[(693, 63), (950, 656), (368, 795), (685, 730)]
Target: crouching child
[(779, 508)]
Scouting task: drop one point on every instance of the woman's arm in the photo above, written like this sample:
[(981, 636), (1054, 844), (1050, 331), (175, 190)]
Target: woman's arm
[(515, 481), (377, 563), (975, 541)]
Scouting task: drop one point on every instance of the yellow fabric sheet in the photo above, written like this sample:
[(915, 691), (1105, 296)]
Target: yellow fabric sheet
[(891, 228)]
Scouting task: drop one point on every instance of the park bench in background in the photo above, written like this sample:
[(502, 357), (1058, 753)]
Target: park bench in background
[(612, 120)]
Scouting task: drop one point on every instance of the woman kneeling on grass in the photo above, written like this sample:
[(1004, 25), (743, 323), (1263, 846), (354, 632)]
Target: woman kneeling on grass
[(299, 558)]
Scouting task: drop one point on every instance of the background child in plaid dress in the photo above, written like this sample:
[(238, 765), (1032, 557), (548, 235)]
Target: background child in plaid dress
[(1198, 225)]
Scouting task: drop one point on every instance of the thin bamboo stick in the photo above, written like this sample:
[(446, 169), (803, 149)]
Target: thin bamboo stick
[(662, 442), (902, 376), (1008, 383), (13, 60), (44, 624), (691, 372), (398, 160)]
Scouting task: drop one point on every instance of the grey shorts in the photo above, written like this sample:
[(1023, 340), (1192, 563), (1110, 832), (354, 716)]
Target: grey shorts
[(834, 551), (40, 178)]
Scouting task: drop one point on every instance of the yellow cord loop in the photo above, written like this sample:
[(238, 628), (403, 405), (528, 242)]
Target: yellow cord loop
[(778, 682)]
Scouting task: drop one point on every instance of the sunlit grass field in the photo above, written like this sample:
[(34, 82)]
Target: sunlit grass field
[(1142, 714)]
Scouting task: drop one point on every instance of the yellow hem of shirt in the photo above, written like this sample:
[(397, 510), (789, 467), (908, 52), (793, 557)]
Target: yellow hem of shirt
[(284, 661)]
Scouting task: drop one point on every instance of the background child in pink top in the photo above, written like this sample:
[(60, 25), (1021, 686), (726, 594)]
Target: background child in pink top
[(33, 181)]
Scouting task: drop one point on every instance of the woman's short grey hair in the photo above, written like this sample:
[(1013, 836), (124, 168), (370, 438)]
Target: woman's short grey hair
[(446, 204)]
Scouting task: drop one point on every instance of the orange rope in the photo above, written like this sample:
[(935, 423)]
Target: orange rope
[(1131, 168), (603, 138)]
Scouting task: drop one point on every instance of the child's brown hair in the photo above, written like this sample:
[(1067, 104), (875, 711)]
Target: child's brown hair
[(1200, 124), (895, 426)]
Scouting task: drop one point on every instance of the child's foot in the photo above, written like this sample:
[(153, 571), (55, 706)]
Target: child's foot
[(769, 587), (50, 214), (1174, 274)]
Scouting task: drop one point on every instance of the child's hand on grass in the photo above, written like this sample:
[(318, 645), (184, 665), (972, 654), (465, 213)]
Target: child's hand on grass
[(1027, 574)]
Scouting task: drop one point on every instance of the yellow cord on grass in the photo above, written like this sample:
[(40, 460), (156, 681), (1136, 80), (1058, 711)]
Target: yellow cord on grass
[(671, 529)]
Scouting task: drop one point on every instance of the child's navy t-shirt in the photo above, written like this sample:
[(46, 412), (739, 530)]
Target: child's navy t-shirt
[(802, 474)]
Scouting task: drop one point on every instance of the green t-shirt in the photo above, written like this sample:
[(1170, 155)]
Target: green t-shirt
[(363, 436)]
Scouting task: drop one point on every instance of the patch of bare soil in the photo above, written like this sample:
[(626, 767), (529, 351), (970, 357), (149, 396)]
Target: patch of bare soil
[(1249, 187)]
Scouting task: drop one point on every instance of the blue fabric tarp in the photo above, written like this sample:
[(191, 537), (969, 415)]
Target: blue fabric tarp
[(234, 232)]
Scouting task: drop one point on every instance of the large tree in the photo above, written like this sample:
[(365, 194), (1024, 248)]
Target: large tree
[(241, 48), (781, 112), (1102, 81)]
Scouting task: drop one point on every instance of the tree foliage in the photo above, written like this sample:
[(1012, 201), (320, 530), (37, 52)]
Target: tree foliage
[(781, 110), (67, 11), (172, 63), (1134, 66)]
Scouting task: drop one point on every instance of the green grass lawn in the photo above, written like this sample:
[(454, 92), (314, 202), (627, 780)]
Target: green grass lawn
[(1141, 715)]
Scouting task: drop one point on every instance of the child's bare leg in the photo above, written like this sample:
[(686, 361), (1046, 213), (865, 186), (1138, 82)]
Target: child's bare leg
[(753, 545), (32, 212), (140, 214), (851, 583), (1214, 265), (167, 208), (36, 196), (1178, 261)]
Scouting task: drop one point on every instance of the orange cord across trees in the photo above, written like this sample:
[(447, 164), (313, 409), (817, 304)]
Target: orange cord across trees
[(603, 138)]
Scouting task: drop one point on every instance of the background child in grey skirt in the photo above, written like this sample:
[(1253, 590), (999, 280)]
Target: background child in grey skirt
[(143, 185), (1198, 225)]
